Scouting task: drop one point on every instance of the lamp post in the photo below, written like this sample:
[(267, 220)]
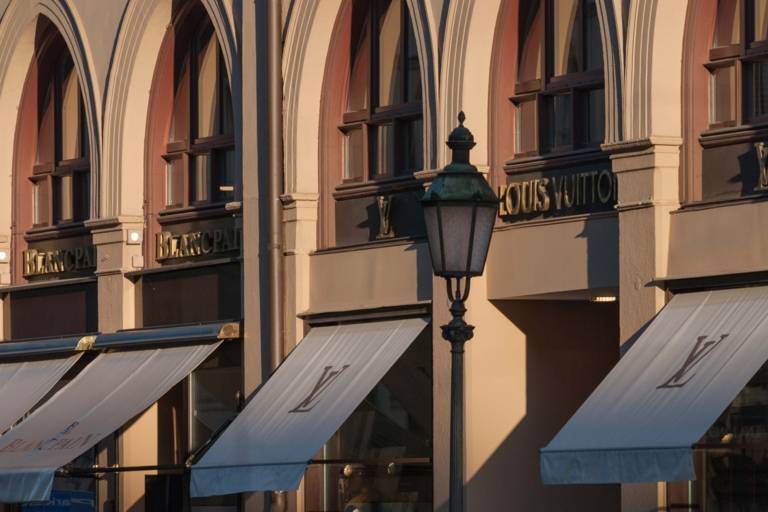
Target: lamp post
[(459, 213)]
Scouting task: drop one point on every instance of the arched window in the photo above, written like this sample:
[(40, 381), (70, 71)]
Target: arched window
[(738, 64), (372, 138), (200, 167), (382, 121), (725, 89), (60, 174), (559, 95)]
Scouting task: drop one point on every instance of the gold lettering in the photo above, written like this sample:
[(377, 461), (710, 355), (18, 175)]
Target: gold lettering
[(605, 186), (544, 194)]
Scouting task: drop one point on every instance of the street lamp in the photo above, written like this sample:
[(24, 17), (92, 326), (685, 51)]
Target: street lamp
[(459, 213)]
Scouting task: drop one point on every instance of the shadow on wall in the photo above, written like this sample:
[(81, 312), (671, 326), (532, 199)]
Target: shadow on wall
[(602, 253), (570, 347)]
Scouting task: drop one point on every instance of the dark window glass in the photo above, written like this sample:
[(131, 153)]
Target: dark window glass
[(760, 90), (525, 126), (382, 454), (559, 121)]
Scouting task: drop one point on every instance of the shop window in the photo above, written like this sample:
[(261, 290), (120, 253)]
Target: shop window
[(382, 119), (559, 92), (60, 176), (199, 156), (381, 458), (738, 64), (731, 459)]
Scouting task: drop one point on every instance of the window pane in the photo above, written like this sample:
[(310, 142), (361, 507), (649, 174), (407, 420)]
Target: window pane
[(728, 25), (723, 95), (62, 198), (414, 72), (201, 179), (415, 146), (70, 117), (40, 200), (354, 164), (174, 182), (760, 72), (227, 118), (761, 20), (225, 175), (559, 122), (82, 195), (568, 37), (385, 138), (530, 59), (180, 121), (390, 66), (595, 118), (594, 45), (525, 126), (357, 93), (46, 146), (207, 122)]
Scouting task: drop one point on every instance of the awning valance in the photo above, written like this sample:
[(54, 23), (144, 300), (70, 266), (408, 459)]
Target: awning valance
[(680, 374), (300, 406), (112, 389)]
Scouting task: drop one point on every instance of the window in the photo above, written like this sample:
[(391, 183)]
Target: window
[(381, 457), (61, 173), (200, 165), (559, 96), (382, 120), (738, 64)]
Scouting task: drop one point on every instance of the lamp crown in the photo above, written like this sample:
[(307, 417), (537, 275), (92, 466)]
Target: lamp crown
[(461, 141)]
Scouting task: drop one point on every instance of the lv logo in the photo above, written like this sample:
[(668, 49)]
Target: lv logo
[(326, 379), (762, 161), (700, 350), (385, 216)]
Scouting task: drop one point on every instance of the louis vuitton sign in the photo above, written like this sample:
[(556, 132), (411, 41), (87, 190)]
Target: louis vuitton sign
[(39, 262), (169, 246), (552, 195)]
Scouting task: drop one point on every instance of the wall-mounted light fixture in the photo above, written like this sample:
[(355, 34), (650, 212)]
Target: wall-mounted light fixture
[(133, 237), (5, 255), (604, 298)]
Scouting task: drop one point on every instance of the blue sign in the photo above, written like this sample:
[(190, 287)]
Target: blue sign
[(64, 501)]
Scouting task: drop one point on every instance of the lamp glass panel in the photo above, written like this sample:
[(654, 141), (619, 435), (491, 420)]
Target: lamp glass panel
[(484, 221), (457, 224), (433, 236)]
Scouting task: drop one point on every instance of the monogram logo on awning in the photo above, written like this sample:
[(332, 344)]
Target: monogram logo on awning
[(324, 382), (701, 349)]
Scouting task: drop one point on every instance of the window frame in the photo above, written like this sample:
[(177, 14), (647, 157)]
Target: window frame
[(374, 116), (741, 56), (546, 87), (193, 146), (55, 65)]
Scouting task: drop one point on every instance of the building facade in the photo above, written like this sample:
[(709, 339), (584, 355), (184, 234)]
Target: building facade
[(150, 147)]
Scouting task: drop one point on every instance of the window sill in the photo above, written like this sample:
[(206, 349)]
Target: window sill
[(554, 160), (372, 244), (70, 229), (377, 187), (734, 135), (706, 204), (207, 211)]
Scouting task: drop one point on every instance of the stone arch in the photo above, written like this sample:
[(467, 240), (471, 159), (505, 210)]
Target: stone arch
[(17, 46), (653, 77), (127, 98)]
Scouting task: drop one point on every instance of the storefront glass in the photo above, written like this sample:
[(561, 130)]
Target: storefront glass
[(381, 458)]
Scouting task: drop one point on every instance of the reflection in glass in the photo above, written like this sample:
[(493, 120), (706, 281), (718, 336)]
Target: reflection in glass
[(559, 121), (728, 27), (595, 109), (174, 182), (382, 453), (70, 117), (413, 71), (723, 95), (594, 45), (46, 145), (389, 50), (760, 71), (525, 126), (226, 179), (415, 144), (201, 179), (62, 186), (568, 37), (357, 94), (40, 202), (353, 154), (207, 122), (761, 20), (384, 150), (530, 58), (180, 119)]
